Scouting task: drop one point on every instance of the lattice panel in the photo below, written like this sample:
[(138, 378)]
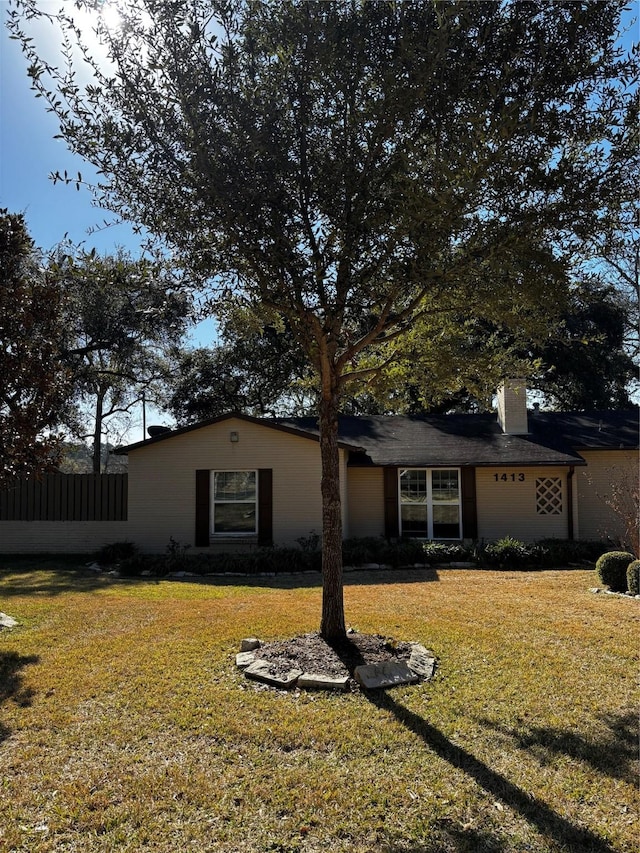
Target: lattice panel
[(549, 496)]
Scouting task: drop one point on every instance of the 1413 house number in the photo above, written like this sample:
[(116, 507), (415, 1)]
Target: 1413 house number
[(509, 478)]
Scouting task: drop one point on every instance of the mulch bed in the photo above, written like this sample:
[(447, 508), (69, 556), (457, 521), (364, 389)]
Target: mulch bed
[(312, 653)]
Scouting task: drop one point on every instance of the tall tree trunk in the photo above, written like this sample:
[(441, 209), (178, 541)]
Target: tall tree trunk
[(97, 434), (332, 626)]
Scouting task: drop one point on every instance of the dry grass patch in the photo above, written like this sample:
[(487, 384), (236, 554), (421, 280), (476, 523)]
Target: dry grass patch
[(124, 724)]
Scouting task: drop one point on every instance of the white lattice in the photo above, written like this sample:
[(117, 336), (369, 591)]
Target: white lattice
[(549, 496)]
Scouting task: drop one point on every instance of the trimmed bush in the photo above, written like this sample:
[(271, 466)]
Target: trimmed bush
[(367, 549), (405, 552), (633, 578), (506, 553), (563, 552), (442, 552), (611, 569), (138, 564), (114, 552)]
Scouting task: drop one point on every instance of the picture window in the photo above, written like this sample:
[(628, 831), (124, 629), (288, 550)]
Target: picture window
[(430, 503)]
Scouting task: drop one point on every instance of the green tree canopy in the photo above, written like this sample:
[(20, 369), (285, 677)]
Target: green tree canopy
[(121, 316), (356, 167), (34, 381), (586, 365)]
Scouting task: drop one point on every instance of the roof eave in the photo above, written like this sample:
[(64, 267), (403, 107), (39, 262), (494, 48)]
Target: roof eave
[(300, 433)]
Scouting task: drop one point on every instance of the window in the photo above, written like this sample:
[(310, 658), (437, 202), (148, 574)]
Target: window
[(234, 502), (430, 503)]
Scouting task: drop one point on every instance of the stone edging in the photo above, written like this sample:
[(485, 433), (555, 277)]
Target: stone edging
[(7, 621), (598, 590), (420, 667)]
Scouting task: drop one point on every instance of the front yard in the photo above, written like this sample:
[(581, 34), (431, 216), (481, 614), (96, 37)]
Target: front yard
[(125, 725)]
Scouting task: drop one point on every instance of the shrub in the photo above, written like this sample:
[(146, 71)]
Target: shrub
[(135, 565), (114, 552), (310, 542), (368, 549), (562, 552), (442, 552), (611, 569), (508, 553), (176, 558), (405, 552), (633, 577)]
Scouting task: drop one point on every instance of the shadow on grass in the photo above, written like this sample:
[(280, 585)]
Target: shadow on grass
[(22, 577), (24, 583), (11, 686), (613, 754), (545, 819), (445, 836), (309, 580)]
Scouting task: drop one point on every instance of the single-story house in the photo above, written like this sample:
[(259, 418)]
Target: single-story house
[(240, 481)]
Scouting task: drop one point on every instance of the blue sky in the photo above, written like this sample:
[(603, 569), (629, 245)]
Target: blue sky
[(29, 153)]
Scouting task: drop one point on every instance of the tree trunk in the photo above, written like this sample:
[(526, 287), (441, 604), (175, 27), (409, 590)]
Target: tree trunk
[(332, 626), (97, 434)]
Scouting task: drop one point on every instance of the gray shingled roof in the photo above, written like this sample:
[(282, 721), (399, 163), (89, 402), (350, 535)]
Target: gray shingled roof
[(555, 438)]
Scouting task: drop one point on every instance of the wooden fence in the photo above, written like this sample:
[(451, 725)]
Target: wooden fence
[(66, 497)]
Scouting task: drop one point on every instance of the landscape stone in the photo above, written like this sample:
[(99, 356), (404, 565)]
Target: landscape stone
[(249, 644), (323, 682), (244, 659), (260, 671), (387, 674), (7, 621), (422, 661)]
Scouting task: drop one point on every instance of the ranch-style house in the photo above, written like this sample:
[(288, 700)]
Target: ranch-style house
[(239, 482)]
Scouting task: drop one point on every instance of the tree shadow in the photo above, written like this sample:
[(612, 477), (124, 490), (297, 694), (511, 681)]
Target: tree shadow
[(11, 683), (615, 754), (347, 652), (446, 836), (310, 580), (28, 579), (21, 577), (545, 819)]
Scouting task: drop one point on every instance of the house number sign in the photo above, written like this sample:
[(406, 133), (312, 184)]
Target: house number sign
[(509, 478)]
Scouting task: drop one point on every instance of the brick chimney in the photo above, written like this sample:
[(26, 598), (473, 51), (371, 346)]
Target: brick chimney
[(512, 407)]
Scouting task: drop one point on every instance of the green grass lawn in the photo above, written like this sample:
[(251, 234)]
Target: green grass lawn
[(125, 726)]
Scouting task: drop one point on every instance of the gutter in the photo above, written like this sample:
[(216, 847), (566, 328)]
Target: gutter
[(570, 530)]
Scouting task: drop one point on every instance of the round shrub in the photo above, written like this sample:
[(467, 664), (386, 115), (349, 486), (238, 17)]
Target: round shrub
[(633, 577), (611, 569)]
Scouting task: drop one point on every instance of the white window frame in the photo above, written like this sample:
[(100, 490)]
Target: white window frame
[(430, 503), (213, 502)]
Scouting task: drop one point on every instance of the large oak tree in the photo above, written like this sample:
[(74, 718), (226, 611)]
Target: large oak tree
[(35, 384), (121, 315), (354, 166)]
